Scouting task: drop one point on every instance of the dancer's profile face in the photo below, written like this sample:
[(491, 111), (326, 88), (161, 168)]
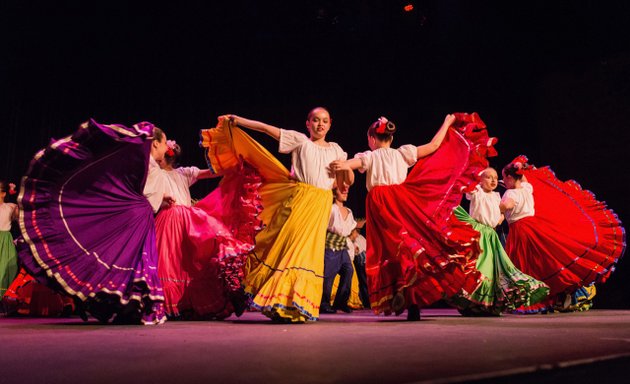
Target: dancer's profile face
[(508, 181), (318, 123), (159, 148), (489, 180)]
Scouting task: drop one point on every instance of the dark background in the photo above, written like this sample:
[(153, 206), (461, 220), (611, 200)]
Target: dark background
[(550, 78)]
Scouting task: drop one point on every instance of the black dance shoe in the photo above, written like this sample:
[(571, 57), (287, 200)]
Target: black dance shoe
[(413, 313)]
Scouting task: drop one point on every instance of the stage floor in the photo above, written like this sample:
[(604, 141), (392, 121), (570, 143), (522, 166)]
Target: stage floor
[(443, 347)]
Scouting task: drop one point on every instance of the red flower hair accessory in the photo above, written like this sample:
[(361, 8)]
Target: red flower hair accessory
[(520, 163), (171, 147), (12, 189), (382, 123)]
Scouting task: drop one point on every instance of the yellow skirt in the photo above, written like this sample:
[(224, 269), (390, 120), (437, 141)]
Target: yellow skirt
[(284, 275)]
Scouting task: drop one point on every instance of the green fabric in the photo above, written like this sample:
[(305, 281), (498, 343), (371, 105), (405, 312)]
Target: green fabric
[(8, 261), (504, 287)]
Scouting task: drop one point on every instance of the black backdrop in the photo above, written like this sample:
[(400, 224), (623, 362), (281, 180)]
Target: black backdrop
[(550, 78)]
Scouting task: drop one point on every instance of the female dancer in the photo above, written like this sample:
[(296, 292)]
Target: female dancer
[(417, 252), (285, 271), (559, 233), (87, 229), (504, 288), (8, 256), (201, 256)]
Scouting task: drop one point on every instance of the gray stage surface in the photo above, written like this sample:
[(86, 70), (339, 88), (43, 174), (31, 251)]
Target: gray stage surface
[(343, 348)]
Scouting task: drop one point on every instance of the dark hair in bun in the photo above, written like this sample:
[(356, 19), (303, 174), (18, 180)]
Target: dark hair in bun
[(382, 129), (513, 170)]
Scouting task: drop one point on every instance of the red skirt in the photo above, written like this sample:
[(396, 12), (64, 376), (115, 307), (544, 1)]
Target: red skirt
[(27, 297), (417, 251), (572, 241)]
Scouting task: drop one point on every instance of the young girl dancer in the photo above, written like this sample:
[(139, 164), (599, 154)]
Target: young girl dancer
[(285, 271), (201, 255), (87, 229), (8, 256), (504, 288), (559, 233), (417, 253)]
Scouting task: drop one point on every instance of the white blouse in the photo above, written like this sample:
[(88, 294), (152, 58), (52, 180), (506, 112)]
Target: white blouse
[(484, 206), (524, 202), (179, 182), (6, 212), (337, 224), (156, 185), (387, 166), (310, 163)]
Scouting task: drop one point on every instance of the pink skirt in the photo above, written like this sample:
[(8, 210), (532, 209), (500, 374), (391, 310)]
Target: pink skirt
[(202, 250)]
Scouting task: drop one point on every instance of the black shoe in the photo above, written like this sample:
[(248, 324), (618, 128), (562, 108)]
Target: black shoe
[(413, 313), (345, 309), (327, 310), (277, 319), (398, 303)]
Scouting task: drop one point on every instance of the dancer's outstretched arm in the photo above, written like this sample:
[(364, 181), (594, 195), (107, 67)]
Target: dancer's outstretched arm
[(256, 126), (434, 144)]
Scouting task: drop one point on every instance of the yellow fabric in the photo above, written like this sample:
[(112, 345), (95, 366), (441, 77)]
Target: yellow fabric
[(354, 301), (284, 272)]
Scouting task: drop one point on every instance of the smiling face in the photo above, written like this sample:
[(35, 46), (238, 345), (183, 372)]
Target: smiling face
[(341, 196), (318, 123), (489, 180)]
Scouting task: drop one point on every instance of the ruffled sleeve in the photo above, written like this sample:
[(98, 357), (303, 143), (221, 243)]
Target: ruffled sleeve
[(508, 194), (409, 153), (470, 195), (527, 186), (290, 140), (366, 160), (341, 155), (191, 174)]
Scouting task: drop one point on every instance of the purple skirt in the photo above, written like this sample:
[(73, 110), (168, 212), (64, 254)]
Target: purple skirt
[(87, 230)]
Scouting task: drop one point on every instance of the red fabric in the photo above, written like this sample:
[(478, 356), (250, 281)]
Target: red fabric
[(572, 240), (25, 296), (415, 246)]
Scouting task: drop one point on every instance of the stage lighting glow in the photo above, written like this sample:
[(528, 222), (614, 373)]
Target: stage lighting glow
[(408, 7)]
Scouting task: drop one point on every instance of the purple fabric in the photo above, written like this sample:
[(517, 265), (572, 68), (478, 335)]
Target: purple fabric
[(86, 227)]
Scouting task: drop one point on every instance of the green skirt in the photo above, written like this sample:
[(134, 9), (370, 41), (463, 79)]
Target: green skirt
[(8, 261), (504, 287)]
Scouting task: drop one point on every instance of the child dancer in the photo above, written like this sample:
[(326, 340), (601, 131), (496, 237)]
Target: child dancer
[(285, 271), (504, 287), (201, 255), (559, 233), (417, 253), (87, 229), (336, 257), (8, 256)]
